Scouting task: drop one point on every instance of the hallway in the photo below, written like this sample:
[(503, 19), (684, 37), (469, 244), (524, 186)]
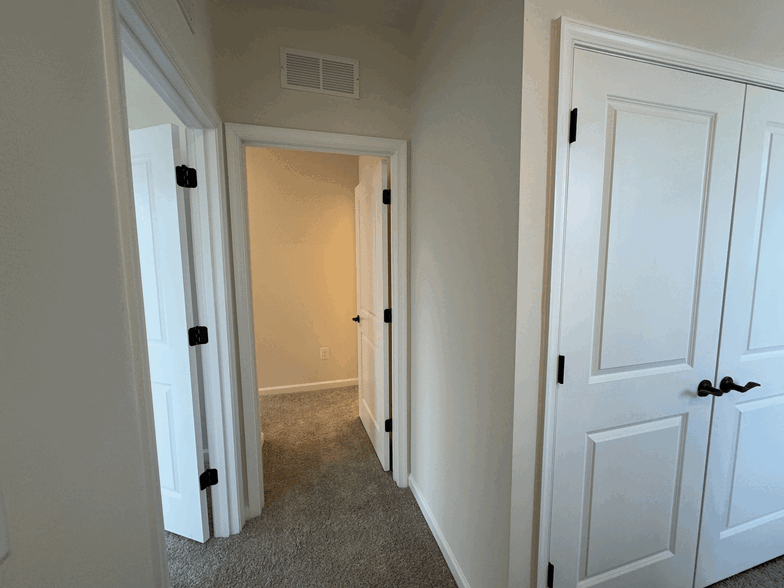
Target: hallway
[(332, 517)]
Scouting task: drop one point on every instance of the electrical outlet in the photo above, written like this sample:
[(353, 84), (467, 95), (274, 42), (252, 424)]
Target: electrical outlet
[(325, 353)]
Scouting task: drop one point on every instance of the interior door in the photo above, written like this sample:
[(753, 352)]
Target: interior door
[(372, 298), (163, 250), (743, 512), (649, 201)]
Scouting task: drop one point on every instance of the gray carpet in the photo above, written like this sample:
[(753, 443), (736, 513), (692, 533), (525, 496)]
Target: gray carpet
[(767, 575), (332, 518)]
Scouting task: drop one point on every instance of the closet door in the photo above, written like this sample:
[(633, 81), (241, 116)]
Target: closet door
[(649, 201), (743, 517)]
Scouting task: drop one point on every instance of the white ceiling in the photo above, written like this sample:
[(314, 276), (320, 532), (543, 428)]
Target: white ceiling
[(397, 14)]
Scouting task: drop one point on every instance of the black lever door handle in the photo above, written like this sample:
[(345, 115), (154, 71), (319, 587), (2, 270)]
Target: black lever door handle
[(706, 389), (356, 319), (727, 384)]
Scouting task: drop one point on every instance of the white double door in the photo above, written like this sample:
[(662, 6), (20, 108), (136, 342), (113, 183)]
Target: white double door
[(651, 205)]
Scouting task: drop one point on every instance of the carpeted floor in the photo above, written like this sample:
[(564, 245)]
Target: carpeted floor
[(332, 518), (767, 575)]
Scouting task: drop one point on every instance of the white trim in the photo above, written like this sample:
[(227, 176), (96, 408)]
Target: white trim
[(136, 330), (325, 385), (237, 138), (577, 34), (446, 551), (574, 34), (158, 62)]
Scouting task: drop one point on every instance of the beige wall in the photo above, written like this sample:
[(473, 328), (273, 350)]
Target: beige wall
[(465, 157), (737, 28), (192, 48), (79, 510), (248, 39), (302, 250)]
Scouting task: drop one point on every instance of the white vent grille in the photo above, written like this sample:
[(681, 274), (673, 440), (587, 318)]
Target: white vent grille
[(315, 72)]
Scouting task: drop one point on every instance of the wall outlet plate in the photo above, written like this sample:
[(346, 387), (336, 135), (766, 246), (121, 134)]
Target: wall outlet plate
[(325, 353)]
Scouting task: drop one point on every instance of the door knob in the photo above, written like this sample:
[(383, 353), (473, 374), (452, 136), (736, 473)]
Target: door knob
[(356, 319), (706, 389), (727, 384)]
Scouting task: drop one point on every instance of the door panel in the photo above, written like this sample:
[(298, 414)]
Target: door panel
[(755, 488), (372, 299), (743, 513), (649, 204), (653, 455), (767, 313), (657, 329), (163, 253)]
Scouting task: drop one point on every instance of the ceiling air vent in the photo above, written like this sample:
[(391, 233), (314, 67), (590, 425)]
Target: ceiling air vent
[(316, 72)]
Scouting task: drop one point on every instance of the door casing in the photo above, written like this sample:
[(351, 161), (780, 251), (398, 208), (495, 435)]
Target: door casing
[(237, 138), (129, 31), (575, 34)]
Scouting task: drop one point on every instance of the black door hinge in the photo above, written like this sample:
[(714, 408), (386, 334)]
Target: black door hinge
[(561, 366), (388, 426), (186, 176), (386, 197), (197, 336), (550, 574), (208, 478), (573, 127), (388, 315)]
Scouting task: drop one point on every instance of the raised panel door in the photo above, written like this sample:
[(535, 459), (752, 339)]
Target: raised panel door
[(161, 233), (743, 516), (372, 299), (649, 205)]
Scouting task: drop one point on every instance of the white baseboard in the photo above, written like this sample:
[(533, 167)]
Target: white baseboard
[(308, 387), (451, 561)]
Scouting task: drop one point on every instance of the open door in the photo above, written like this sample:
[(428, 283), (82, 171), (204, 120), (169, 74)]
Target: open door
[(372, 299), (168, 309)]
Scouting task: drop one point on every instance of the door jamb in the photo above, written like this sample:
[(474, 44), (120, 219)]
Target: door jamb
[(237, 138), (129, 30), (573, 35)]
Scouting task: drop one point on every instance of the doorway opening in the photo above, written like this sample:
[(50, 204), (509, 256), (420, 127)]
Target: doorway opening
[(159, 146), (163, 98), (319, 257), (240, 137)]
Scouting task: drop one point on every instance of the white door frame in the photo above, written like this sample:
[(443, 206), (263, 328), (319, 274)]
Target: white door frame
[(574, 35), (129, 30), (237, 138)]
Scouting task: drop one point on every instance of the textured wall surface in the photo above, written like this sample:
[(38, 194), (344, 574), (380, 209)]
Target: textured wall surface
[(79, 510), (78, 507), (248, 39), (302, 249), (465, 149)]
